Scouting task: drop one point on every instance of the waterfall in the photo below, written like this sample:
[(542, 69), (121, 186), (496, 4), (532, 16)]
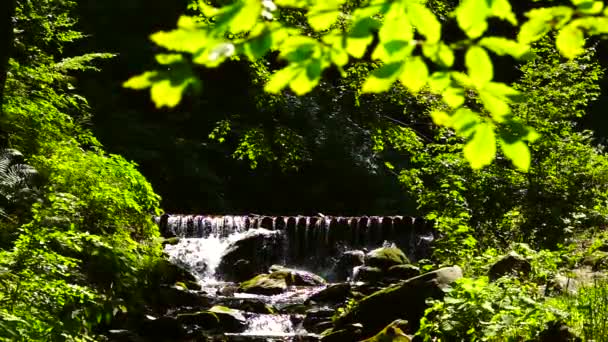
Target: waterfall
[(309, 239)]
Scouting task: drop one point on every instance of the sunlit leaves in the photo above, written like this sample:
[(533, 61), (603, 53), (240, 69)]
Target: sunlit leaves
[(503, 46), (360, 36), (166, 88), (518, 152), (439, 53), (323, 14), (383, 78), (472, 15), (414, 74), (479, 65), (424, 21), (570, 41), (481, 148), (540, 22)]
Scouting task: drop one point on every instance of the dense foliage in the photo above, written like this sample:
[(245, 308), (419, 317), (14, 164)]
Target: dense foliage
[(77, 242), (76, 230)]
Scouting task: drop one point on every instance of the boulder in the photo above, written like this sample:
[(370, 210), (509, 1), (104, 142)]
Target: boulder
[(248, 305), (404, 300), (368, 274), (334, 294), (403, 272), (350, 332), (261, 248), (171, 241), (218, 318), (598, 260), (176, 296), (297, 277), (385, 257), (166, 272), (314, 318), (561, 284), (343, 269), (265, 284), (395, 332), (510, 264)]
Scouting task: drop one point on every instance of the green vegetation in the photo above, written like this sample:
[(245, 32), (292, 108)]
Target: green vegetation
[(375, 107)]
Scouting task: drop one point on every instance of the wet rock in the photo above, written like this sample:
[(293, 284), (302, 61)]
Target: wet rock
[(228, 290), (316, 316), (403, 272), (351, 332), (165, 272), (123, 335), (385, 257), (297, 277), (162, 329), (171, 241), (265, 284), (558, 332), (343, 269), (368, 274), (395, 331), (405, 300), (336, 293), (260, 247), (218, 318), (176, 296), (510, 264), (189, 285), (249, 305)]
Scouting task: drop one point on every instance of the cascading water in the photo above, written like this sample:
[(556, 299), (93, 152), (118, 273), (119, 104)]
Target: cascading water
[(305, 243)]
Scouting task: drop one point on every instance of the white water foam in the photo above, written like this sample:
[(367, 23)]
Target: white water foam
[(201, 255)]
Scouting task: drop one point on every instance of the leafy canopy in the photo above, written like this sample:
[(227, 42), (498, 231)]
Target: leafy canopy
[(410, 50)]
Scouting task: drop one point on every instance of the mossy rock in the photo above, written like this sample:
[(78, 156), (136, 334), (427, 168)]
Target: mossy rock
[(351, 332), (403, 272), (394, 332), (218, 318), (368, 274), (405, 300), (598, 260), (385, 257), (511, 264), (297, 277), (171, 241), (265, 284)]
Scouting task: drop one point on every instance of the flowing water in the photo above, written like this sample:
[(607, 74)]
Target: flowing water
[(310, 243)]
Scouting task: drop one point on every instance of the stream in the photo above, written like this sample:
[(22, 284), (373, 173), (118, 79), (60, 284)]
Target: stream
[(303, 244)]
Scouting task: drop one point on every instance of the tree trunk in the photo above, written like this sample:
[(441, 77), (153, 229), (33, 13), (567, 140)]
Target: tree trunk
[(7, 11)]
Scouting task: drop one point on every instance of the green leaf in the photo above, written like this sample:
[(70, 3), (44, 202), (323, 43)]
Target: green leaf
[(440, 118), (323, 14), (258, 45), (360, 36), (502, 9), (395, 36), (439, 53), (183, 40), (518, 152), (471, 17), (540, 22), (570, 41), (382, 78), (503, 46), (308, 79), (142, 81), (424, 21), (588, 6), (166, 59), (453, 96), (415, 74), (464, 121), (480, 150), (479, 65), (439, 80), (281, 79), (495, 105)]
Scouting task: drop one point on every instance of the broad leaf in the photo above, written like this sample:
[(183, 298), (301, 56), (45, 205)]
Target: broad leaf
[(382, 78), (570, 41), (480, 150), (424, 21), (360, 36), (479, 65), (323, 14), (503, 46), (471, 16), (518, 152), (439, 53), (415, 74)]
